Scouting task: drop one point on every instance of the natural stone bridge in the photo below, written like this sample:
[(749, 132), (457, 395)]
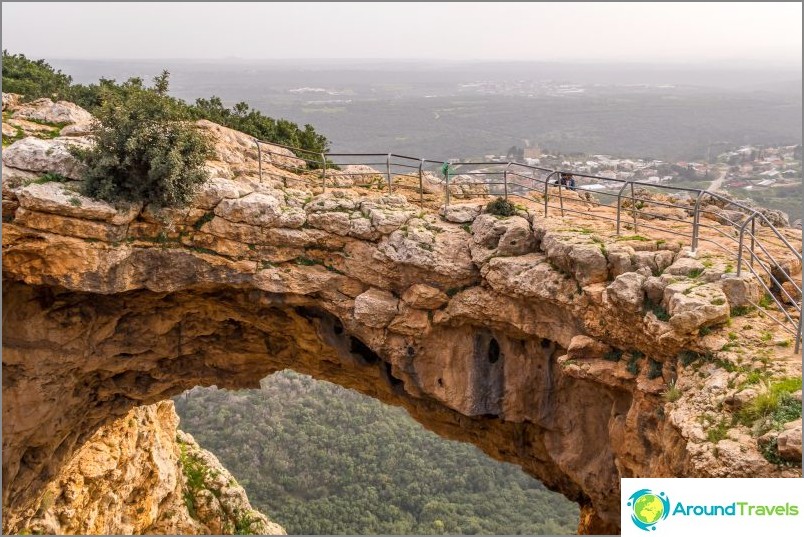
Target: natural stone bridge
[(535, 339)]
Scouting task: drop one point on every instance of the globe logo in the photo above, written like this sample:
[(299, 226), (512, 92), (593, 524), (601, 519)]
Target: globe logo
[(648, 508)]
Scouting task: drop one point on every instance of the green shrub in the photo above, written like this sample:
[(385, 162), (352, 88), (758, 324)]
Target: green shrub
[(739, 311), (672, 393), (32, 78), (717, 432), (776, 405), (501, 207), (144, 150), (613, 355)]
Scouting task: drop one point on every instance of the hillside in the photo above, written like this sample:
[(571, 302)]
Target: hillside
[(320, 459)]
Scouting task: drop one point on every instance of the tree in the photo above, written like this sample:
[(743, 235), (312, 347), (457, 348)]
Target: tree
[(145, 147), (32, 79)]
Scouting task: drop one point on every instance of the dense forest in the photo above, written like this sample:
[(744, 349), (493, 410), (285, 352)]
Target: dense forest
[(320, 459)]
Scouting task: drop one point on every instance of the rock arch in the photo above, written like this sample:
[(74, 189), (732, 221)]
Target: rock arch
[(503, 332)]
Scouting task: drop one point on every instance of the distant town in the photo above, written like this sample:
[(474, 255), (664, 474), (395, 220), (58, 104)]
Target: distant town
[(747, 168)]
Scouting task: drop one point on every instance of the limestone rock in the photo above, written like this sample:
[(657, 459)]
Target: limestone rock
[(260, 209), (376, 308), (461, 213), (128, 479), (35, 155), (49, 112), (425, 297), (626, 292), (518, 238), (217, 189), (586, 348), (789, 441), (579, 256), (685, 266), (56, 198), (11, 100), (741, 291), (691, 307), (620, 259)]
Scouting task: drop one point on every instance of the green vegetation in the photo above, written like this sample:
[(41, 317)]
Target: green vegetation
[(50, 177), (717, 432), (501, 207), (766, 301), (144, 148), (320, 459), (613, 355), (35, 79), (671, 393), (657, 309), (632, 238), (739, 311), (774, 407)]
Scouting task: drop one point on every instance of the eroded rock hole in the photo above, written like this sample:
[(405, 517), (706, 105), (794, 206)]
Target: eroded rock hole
[(362, 350), (494, 351)]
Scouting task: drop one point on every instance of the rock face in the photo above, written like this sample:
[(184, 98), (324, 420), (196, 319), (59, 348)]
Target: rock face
[(130, 477), (468, 326)]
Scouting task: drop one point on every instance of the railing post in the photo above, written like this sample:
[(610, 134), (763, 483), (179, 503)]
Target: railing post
[(505, 182), (740, 245), (696, 220), (388, 171), (560, 196), (633, 207), (753, 240), (446, 189), (421, 184), (259, 157), (546, 187), (798, 332), (619, 205), (323, 172)]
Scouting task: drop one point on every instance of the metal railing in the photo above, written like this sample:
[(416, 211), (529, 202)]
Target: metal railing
[(738, 234)]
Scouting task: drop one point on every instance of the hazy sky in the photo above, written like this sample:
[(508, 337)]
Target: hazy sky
[(769, 32)]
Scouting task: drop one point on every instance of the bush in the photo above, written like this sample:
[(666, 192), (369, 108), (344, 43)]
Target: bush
[(501, 207), (32, 79), (145, 149)]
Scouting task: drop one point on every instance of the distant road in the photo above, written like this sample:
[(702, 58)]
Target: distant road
[(716, 184)]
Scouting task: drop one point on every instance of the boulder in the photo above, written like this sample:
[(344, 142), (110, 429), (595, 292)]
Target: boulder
[(261, 209), (487, 231), (56, 198), (620, 259), (692, 306), (424, 297), (586, 348), (741, 290), (517, 239), (461, 213), (788, 442), (11, 100), (47, 111), (626, 292), (684, 266), (212, 192), (411, 322), (36, 155), (576, 255), (376, 308)]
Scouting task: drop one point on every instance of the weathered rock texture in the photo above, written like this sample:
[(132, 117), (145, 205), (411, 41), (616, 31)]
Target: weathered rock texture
[(466, 326), (133, 477)]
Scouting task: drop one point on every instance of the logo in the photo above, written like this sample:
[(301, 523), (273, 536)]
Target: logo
[(648, 508)]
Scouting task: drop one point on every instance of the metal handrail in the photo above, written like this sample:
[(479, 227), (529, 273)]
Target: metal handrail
[(417, 165)]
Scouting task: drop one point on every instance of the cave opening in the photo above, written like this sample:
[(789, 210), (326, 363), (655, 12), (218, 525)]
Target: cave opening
[(310, 454)]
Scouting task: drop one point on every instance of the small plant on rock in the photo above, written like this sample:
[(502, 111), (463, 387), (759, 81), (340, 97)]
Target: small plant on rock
[(501, 207)]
